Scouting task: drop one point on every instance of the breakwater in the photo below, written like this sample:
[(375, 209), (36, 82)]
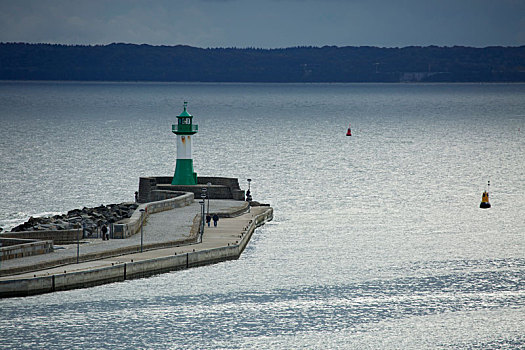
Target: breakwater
[(218, 245)]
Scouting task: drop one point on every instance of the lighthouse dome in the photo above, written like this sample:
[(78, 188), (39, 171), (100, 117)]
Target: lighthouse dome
[(184, 112)]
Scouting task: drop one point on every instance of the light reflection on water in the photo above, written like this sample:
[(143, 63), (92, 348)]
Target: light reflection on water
[(377, 240), (244, 319)]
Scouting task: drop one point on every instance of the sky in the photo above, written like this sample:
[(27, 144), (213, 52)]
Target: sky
[(265, 23)]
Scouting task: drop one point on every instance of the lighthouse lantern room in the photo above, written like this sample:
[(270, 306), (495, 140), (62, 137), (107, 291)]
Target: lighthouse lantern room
[(184, 129)]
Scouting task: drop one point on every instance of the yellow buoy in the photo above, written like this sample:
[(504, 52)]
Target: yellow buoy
[(485, 204)]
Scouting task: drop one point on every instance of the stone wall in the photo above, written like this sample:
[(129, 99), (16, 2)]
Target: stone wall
[(131, 226), (146, 186), (153, 188), (12, 248), (216, 182), (57, 236)]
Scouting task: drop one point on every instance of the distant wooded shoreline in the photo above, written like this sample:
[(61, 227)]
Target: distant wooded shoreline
[(130, 62)]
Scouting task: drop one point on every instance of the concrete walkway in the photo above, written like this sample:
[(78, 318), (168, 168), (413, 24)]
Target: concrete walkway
[(165, 227)]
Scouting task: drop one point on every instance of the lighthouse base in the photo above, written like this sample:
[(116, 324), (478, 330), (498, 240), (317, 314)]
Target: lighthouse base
[(184, 174), (484, 205), (159, 188)]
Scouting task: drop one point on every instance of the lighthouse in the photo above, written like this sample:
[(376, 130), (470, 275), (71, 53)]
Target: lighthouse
[(184, 129)]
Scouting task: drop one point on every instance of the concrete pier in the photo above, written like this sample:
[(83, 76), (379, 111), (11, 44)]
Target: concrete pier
[(170, 242)]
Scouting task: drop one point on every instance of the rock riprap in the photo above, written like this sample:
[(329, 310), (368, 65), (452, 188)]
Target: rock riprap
[(90, 218)]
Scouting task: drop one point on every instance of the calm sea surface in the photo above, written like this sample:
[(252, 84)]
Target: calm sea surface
[(378, 241)]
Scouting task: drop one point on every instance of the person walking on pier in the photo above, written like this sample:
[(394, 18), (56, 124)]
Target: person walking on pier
[(208, 219), (104, 232), (215, 219)]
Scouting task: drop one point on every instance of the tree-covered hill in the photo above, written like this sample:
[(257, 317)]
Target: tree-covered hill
[(128, 62)]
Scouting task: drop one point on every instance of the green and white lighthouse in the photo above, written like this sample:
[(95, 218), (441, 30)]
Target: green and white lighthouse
[(184, 129)]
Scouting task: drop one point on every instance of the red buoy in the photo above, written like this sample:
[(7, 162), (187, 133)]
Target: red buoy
[(349, 131)]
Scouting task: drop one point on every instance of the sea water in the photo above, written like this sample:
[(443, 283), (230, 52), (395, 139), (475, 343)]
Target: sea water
[(377, 240)]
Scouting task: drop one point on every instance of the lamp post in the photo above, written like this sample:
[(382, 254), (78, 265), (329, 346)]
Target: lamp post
[(208, 193), (204, 193), (78, 240), (141, 231), (248, 194), (202, 218)]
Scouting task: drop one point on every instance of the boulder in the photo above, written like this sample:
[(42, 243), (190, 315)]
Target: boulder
[(97, 215), (73, 212)]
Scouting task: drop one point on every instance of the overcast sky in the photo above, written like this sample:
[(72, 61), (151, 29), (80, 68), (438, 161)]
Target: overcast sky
[(265, 23)]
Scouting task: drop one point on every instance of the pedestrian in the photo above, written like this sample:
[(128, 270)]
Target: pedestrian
[(215, 219), (104, 232), (208, 219)]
